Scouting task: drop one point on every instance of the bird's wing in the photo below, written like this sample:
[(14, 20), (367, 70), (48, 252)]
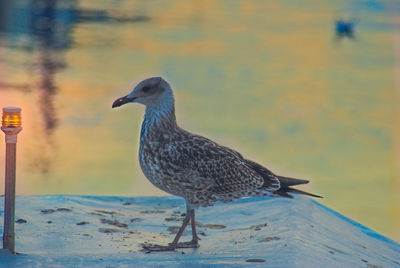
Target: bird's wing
[(222, 169), (271, 181)]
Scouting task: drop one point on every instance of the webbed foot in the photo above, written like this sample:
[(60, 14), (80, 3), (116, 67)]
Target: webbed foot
[(158, 248)]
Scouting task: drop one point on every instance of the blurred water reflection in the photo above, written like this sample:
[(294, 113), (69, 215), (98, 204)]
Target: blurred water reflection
[(263, 77), (45, 27)]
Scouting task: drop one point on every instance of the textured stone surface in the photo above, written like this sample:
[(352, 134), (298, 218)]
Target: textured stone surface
[(264, 232)]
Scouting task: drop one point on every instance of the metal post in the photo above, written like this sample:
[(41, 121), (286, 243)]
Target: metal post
[(9, 203), (11, 126)]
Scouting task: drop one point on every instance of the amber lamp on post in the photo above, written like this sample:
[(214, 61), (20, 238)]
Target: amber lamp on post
[(11, 126)]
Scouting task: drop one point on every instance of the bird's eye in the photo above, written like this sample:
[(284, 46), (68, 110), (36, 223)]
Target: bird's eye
[(146, 89)]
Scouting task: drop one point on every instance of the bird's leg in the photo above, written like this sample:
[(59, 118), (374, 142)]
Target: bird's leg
[(194, 233), (195, 239), (172, 246)]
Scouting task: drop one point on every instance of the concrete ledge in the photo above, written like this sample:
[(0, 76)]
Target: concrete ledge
[(82, 231)]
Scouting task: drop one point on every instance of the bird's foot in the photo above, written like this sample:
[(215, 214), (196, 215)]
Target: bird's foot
[(171, 247), (190, 244), (158, 248)]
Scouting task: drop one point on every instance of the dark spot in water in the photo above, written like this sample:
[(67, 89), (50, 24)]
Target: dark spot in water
[(331, 252), (47, 211), (335, 249), (210, 226), (64, 209), (152, 211), (112, 213), (202, 233), (114, 222), (127, 203), (183, 214), (21, 221), (49, 221), (82, 223), (258, 227), (255, 260), (97, 214), (108, 230), (364, 260), (172, 219), (269, 238), (136, 219)]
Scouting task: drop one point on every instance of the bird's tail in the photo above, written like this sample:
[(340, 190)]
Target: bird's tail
[(286, 184)]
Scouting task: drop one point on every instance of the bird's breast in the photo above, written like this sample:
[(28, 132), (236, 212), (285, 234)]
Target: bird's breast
[(154, 162), (149, 159)]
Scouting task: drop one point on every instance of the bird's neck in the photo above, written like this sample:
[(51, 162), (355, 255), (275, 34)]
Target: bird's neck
[(159, 117)]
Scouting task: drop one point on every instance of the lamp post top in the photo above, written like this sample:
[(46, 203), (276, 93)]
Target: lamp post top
[(11, 123)]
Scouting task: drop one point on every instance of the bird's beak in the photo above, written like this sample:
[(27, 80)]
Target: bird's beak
[(122, 101)]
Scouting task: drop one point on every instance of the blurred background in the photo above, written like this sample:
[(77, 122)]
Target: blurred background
[(310, 89)]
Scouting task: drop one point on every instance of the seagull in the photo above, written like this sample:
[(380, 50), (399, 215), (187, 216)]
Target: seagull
[(191, 166)]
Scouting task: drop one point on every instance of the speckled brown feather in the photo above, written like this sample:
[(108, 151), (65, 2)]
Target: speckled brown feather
[(195, 167)]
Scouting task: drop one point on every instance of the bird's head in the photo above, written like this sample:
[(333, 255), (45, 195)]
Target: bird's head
[(150, 92)]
